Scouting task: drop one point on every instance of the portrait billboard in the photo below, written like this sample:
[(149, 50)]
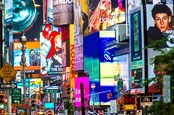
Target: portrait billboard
[(63, 12), (85, 81), (32, 55), (158, 31), (136, 48), (51, 50)]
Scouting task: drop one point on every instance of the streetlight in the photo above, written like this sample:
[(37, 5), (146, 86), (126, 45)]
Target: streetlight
[(23, 41), (93, 87)]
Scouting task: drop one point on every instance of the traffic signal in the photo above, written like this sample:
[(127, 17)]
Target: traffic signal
[(68, 88), (33, 104), (2, 101)]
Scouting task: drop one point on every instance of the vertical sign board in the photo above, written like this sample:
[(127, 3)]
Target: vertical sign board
[(136, 46), (166, 89), (16, 96)]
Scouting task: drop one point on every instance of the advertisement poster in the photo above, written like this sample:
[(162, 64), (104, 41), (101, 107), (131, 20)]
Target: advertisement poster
[(51, 50), (85, 82), (32, 55), (78, 52), (162, 30), (28, 17), (105, 13), (137, 53)]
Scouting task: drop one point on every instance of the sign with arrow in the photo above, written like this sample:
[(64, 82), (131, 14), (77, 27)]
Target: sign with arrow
[(8, 85), (16, 96)]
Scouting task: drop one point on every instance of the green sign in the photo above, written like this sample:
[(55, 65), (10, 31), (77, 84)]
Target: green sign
[(16, 96), (51, 90)]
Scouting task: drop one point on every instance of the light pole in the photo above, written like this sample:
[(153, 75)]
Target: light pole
[(93, 87), (23, 41)]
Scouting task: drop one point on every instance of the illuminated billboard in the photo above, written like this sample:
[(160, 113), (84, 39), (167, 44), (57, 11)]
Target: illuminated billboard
[(32, 86), (105, 13), (91, 63), (63, 12), (51, 50), (154, 27), (106, 66), (32, 55), (137, 52), (85, 82)]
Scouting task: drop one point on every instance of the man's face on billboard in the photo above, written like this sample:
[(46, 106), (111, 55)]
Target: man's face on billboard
[(162, 21)]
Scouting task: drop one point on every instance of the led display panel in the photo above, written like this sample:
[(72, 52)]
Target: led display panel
[(137, 52), (85, 81), (106, 66), (91, 57), (154, 27)]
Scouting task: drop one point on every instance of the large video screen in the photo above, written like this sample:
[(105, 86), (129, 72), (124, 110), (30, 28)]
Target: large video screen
[(106, 66), (32, 55)]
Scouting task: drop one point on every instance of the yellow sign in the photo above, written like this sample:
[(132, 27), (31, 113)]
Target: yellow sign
[(7, 72), (129, 107), (16, 105)]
